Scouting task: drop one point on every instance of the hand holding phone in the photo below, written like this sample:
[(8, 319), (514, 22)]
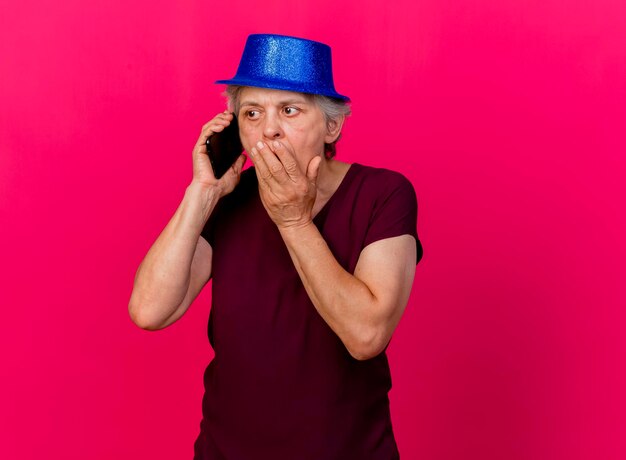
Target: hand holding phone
[(224, 147)]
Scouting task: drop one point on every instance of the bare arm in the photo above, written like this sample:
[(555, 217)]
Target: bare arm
[(178, 264), (363, 309)]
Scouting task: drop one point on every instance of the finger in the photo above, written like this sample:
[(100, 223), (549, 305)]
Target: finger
[(238, 165), (221, 117), (313, 169), (218, 122), (212, 128), (287, 159), (274, 165), (260, 167), (217, 127), (224, 116)]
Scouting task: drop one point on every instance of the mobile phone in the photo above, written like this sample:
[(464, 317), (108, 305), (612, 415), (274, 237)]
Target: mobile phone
[(224, 148)]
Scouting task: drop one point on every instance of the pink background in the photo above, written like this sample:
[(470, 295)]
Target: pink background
[(507, 116)]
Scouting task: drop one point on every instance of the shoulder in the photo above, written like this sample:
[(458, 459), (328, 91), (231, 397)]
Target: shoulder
[(382, 176), (384, 183), (393, 204)]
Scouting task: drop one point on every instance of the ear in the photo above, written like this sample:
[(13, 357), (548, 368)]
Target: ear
[(333, 129)]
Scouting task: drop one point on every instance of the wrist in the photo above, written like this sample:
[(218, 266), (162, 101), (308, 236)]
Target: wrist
[(208, 196), (214, 189), (295, 228)]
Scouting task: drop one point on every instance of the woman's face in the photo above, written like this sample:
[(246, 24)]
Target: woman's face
[(269, 114)]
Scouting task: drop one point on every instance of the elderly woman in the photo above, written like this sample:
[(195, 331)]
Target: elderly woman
[(312, 261)]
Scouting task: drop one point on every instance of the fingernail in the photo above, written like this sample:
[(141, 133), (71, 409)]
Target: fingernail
[(253, 151), (259, 145), (276, 144)]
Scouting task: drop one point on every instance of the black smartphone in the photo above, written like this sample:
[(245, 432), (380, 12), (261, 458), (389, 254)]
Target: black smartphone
[(224, 148)]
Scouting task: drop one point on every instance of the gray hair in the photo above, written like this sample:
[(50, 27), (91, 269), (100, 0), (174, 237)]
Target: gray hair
[(332, 108)]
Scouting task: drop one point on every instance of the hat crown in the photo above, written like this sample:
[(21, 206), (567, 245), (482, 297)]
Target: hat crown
[(288, 63)]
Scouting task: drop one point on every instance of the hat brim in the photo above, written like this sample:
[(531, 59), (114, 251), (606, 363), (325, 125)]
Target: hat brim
[(283, 85)]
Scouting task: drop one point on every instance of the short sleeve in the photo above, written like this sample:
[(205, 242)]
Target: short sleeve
[(394, 212)]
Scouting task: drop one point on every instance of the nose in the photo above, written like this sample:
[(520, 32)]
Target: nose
[(271, 127)]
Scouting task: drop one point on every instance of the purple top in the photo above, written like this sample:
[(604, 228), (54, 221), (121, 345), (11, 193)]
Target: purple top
[(282, 385)]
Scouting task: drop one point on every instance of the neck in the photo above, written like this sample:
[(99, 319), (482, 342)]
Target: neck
[(329, 177)]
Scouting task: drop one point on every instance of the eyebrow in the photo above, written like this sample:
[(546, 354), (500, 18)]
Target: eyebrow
[(283, 102)]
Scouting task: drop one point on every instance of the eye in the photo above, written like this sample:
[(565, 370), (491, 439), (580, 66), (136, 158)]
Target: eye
[(252, 114), (291, 110)]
